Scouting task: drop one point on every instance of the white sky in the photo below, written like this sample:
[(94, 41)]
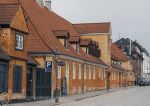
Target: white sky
[(128, 17)]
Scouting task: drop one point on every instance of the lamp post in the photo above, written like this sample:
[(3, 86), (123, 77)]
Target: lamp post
[(57, 53)]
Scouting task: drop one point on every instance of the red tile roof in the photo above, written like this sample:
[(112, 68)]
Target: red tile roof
[(7, 12), (86, 28), (42, 23), (8, 1), (117, 53)]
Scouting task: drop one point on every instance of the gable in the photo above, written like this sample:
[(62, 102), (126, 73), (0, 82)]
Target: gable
[(19, 22)]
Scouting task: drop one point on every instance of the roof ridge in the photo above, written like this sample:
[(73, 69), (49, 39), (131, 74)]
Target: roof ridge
[(92, 23), (9, 3)]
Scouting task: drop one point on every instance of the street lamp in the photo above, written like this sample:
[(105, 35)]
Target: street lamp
[(57, 53)]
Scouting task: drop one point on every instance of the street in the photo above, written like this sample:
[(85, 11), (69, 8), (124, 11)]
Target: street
[(138, 96)]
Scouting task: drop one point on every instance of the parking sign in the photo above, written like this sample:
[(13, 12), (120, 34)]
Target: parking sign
[(48, 67)]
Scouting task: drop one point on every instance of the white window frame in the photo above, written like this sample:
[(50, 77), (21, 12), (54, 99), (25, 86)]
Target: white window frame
[(99, 72), (80, 71), (104, 73), (94, 72), (74, 71), (19, 42), (89, 68), (84, 71), (59, 72)]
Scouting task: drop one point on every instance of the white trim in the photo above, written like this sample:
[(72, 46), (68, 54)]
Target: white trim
[(83, 61), (80, 71), (73, 71)]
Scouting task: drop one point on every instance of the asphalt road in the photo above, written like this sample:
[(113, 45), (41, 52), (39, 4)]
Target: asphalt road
[(138, 96)]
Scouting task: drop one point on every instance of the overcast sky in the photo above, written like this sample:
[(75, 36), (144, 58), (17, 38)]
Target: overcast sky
[(128, 17)]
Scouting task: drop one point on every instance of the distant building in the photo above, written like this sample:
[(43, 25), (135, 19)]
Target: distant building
[(146, 65), (134, 52)]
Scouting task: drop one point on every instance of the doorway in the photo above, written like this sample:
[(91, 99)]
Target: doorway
[(29, 82)]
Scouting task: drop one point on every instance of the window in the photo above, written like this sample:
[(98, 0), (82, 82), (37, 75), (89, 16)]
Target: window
[(67, 70), (17, 82), (3, 77), (19, 41), (84, 71), (78, 48), (74, 71), (66, 43), (59, 72), (79, 71), (89, 73), (94, 72), (99, 72), (104, 73)]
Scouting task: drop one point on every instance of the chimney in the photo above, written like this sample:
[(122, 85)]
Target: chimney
[(47, 3), (40, 2)]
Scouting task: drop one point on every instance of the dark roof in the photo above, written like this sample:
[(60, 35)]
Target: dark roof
[(85, 28), (4, 54), (7, 12)]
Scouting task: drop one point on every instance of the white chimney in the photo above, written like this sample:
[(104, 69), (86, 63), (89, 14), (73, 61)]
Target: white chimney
[(47, 3)]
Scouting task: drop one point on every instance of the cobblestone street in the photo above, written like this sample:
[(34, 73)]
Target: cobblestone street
[(137, 96)]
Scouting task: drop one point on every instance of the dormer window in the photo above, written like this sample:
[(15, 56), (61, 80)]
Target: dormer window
[(66, 43), (75, 40), (63, 36), (78, 48), (19, 41)]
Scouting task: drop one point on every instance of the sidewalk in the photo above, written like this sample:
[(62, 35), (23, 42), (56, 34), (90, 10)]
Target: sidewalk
[(62, 100)]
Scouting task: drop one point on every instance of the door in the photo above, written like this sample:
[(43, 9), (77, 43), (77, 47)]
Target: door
[(3, 77), (43, 84), (29, 82)]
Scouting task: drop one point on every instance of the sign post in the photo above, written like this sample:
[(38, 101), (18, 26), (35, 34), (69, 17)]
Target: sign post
[(48, 67)]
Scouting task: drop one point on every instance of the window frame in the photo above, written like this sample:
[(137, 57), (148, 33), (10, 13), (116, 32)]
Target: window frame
[(80, 72), (59, 72), (94, 72), (18, 43), (90, 74), (73, 71), (84, 72)]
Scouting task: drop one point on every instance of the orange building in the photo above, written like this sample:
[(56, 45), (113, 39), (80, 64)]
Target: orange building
[(119, 72), (84, 71), (13, 50)]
